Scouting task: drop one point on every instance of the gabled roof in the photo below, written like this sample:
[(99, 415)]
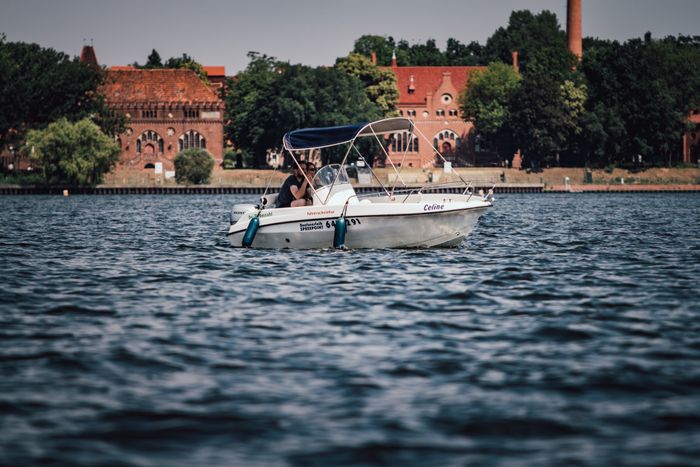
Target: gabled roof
[(428, 79), (156, 86)]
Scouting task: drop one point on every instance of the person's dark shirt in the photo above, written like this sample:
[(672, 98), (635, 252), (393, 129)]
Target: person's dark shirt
[(285, 197)]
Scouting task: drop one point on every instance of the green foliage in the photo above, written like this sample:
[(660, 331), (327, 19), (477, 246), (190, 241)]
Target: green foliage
[(418, 54), (229, 159), (71, 153), (237, 159), (541, 120), (538, 39), (39, 86), (271, 98), (427, 54), (458, 54), (193, 166), (485, 100), (380, 85), (22, 178), (154, 60), (383, 46), (640, 94), (185, 61)]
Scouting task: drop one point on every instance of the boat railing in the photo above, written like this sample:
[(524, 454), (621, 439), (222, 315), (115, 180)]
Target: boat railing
[(407, 192)]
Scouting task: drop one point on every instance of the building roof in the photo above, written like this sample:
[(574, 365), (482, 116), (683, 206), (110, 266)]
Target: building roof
[(428, 79), (181, 86)]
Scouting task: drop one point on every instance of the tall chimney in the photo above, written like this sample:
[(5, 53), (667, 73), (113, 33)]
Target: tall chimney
[(393, 59), (374, 57), (515, 61), (573, 27)]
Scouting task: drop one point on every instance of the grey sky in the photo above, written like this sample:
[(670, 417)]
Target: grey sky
[(313, 32)]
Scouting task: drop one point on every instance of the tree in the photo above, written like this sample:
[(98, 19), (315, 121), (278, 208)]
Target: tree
[(383, 46), (418, 54), (380, 85), (458, 54), (640, 95), (184, 61), (193, 166), (154, 60), (485, 103), (427, 54), (71, 153), (536, 37), (271, 98), (39, 86), (541, 119)]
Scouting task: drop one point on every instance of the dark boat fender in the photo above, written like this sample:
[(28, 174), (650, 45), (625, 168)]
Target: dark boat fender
[(250, 231), (341, 227)]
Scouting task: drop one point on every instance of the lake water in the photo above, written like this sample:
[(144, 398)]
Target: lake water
[(565, 331)]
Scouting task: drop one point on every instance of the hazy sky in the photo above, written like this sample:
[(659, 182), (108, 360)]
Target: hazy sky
[(312, 32)]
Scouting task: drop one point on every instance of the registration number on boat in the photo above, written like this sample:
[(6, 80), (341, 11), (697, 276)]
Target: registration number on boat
[(349, 220)]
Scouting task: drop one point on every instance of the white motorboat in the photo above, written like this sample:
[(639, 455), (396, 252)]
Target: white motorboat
[(341, 218)]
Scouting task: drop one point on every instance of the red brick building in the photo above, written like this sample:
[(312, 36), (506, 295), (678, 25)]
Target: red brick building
[(167, 111), (429, 96)]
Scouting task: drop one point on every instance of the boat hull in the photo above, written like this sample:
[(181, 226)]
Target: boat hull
[(423, 225)]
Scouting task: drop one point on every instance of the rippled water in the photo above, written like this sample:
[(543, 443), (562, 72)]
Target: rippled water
[(565, 330)]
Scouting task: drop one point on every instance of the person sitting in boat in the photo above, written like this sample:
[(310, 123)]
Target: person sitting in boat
[(310, 174), (293, 190)]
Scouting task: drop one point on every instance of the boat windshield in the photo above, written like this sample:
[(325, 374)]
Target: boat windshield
[(327, 174)]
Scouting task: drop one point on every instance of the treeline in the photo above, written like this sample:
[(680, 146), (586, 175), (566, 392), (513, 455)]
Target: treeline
[(526, 30)]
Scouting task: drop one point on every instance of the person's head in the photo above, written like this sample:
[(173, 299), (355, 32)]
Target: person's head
[(310, 169)]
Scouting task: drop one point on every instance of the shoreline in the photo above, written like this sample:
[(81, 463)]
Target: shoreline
[(16, 190), (253, 181)]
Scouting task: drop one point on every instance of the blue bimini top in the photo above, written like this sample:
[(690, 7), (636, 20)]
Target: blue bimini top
[(316, 138)]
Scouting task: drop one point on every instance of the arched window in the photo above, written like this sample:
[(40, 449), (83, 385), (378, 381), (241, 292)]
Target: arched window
[(445, 136), (403, 142), (192, 139), (149, 136)]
